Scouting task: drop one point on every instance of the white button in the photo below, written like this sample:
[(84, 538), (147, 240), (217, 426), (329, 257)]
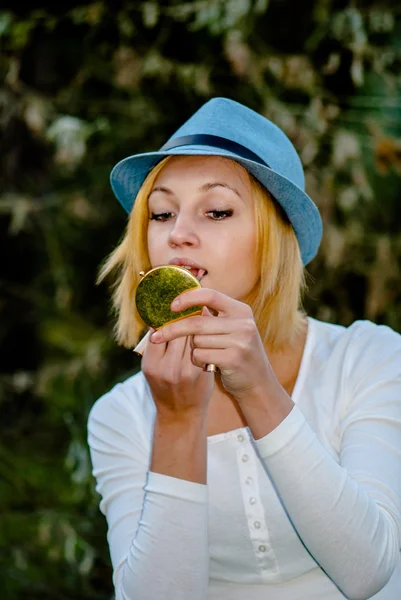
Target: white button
[(240, 438), (262, 548), (257, 524), (248, 480), (245, 458), (252, 500)]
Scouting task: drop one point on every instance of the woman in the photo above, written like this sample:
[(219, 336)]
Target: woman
[(280, 477)]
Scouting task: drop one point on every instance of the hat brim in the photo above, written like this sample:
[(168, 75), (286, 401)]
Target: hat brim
[(129, 174)]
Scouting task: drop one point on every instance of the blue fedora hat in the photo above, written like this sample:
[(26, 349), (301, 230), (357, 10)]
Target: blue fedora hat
[(223, 127)]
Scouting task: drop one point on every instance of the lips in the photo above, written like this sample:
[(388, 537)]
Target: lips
[(189, 264)]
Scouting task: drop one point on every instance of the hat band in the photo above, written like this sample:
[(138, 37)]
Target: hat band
[(217, 142)]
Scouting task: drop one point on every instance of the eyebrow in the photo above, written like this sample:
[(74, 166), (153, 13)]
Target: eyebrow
[(204, 188), (209, 186)]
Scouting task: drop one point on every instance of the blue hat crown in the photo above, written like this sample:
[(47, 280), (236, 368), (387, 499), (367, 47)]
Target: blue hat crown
[(238, 123)]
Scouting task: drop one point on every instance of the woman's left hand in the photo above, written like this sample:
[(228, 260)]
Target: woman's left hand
[(229, 340)]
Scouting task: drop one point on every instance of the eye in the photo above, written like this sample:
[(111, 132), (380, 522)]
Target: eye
[(160, 216), (219, 215)]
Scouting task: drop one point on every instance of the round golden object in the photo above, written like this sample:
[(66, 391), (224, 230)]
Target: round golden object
[(156, 291)]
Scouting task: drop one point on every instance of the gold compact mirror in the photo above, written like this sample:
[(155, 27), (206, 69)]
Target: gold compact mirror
[(155, 293)]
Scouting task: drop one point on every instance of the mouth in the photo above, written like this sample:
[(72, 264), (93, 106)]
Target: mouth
[(196, 270)]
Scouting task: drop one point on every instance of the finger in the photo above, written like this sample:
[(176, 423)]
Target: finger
[(201, 325), (171, 366), (185, 363), (153, 354), (223, 304), (188, 366), (205, 313), (201, 357), (213, 341), (187, 347), (175, 349), (154, 350)]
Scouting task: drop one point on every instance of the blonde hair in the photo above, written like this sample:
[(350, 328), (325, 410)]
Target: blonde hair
[(275, 300)]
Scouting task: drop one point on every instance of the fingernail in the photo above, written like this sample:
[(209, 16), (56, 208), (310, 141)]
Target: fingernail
[(175, 303), (156, 337)]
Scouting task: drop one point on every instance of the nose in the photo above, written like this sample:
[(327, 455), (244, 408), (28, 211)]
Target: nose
[(183, 232)]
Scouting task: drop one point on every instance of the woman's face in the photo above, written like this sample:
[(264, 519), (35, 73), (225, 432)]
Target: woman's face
[(202, 215)]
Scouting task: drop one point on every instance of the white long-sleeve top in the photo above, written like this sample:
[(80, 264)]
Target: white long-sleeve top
[(310, 511)]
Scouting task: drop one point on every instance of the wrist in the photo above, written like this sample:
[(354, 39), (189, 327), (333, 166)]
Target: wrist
[(265, 409), (186, 420), (180, 447)]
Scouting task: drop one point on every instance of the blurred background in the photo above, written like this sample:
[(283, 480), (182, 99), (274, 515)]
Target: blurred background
[(85, 84)]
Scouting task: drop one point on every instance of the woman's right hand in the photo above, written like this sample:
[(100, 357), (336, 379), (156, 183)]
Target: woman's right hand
[(179, 388)]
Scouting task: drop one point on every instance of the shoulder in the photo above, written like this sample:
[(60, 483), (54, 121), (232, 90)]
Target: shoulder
[(369, 337), (127, 406), (361, 337), (359, 352)]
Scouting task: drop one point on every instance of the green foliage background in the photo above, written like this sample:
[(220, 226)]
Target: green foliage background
[(85, 84)]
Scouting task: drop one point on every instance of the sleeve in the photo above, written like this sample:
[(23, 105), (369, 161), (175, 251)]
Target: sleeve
[(348, 514), (157, 524)]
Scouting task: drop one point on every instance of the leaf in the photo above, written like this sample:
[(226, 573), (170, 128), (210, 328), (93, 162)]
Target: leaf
[(357, 70), (150, 14), (6, 19)]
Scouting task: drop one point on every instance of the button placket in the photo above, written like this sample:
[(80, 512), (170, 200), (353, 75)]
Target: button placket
[(247, 465)]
